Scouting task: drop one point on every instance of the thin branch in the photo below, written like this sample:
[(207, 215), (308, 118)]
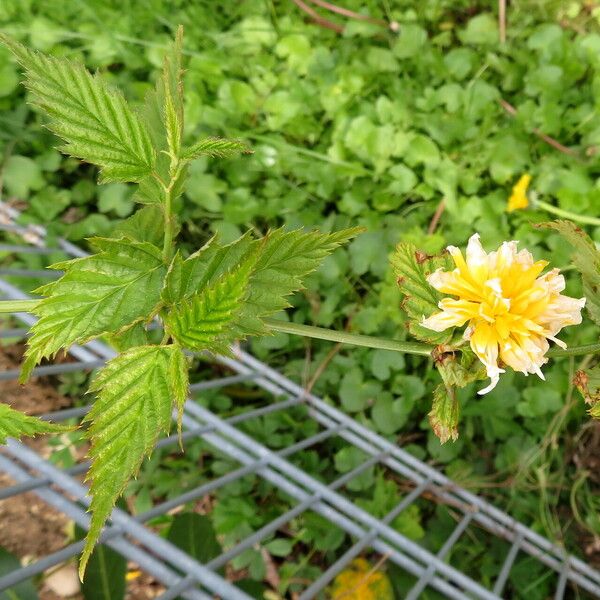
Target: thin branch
[(317, 18), (512, 111), (502, 20), (349, 13), (436, 217)]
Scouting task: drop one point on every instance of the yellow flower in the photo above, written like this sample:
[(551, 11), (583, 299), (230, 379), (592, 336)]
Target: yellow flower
[(360, 582), (518, 198), (512, 310)]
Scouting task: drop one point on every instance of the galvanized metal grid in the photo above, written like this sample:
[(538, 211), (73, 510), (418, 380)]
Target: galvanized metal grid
[(185, 577)]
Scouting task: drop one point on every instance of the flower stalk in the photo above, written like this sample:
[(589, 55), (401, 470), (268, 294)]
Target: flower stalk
[(566, 214), (349, 338), (321, 333)]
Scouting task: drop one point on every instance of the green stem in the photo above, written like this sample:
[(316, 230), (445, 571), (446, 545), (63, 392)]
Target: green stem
[(168, 239), (574, 351), (559, 212), (348, 338), (15, 306)]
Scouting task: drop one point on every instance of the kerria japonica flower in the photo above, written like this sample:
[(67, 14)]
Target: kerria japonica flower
[(511, 309)]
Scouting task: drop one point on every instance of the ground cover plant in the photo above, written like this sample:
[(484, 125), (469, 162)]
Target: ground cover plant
[(373, 128)]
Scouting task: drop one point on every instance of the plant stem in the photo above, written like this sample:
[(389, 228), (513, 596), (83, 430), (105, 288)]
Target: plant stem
[(15, 306), (386, 344), (559, 212), (168, 239), (348, 338), (574, 350)]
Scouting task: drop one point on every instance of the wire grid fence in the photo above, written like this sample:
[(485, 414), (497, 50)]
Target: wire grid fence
[(185, 577)]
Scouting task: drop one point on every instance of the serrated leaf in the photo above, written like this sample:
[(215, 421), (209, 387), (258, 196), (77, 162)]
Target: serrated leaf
[(286, 257), (444, 414), (216, 148), (16, 424), (163, 112), (136, 392), (93, 119), (145, 225), (98, 294), (186, 277), (131, 337), (172, 92), (586, 260), (105, 577), (204, 321), (411, 268)]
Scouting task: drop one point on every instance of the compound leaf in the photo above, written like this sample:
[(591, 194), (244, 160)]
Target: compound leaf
[(16, 424), (136, 392), (412, 267), (204, 321), (586, 259), (216, 148), (285, 258), (93, 119), (99, 294)]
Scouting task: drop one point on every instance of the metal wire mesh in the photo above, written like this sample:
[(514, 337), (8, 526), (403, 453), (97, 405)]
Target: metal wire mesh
[(182, 575)]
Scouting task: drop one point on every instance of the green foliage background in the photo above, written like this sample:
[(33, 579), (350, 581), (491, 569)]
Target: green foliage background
[(366, 128)]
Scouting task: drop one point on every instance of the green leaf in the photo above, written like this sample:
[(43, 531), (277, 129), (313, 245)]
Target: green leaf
[(94, 120), (444, 413), (105, 575), (286, 257), (195, 535), (481, 29), (389, 415), (131, 337), (586, 259), (204, 321), (16, 424), (186, 277), (98, 294), (22, 591), (163, 112), (172, 95), (215, 148), (357, 394), (145, 225), (412, 267), (21, 175), (136, 393), (116, 198)]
